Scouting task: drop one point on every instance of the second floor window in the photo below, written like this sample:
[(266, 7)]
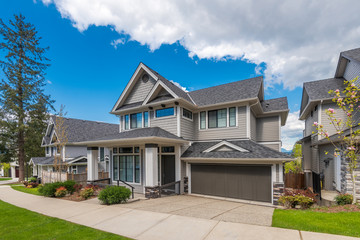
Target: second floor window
[(202, 120), (165, 112), (232, 117), (126, 122), (102, 154), (146, 119), (217, 118), (136, 120), (187, 113)]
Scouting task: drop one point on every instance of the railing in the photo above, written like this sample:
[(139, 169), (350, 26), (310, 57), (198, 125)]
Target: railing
[(166, 186), (132, 188)]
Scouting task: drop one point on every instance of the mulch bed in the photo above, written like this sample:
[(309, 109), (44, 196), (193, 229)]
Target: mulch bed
[(76, 197), (336, 209)]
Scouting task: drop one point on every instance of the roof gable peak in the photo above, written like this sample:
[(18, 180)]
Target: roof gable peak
[(225, 146)]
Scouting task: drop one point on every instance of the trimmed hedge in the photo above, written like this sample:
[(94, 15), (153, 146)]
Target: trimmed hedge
[(114, 195)]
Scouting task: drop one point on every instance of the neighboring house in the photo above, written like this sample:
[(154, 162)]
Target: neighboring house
[(317, 165), (220, 141), (12, 172), (74, 156)]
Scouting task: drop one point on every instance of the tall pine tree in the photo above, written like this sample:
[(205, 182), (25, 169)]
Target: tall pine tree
[(23, 103)]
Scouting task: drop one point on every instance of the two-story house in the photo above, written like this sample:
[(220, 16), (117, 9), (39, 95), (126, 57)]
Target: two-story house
[(321, 169), (224, 140), (74, 156)]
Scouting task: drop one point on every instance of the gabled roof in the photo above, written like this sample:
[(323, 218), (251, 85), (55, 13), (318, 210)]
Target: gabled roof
[(254, 151), (319, 90), (51, 160), (276, 104), (81, 130), (353, 54), (230, 92)]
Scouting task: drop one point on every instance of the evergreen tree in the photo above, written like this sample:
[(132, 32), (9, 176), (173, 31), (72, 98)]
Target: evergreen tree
[(24, 105)]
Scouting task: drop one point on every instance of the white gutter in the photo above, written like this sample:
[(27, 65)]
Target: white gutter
[(131, 139)]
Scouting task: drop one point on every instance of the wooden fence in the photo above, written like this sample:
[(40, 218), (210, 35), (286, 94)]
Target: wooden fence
[(295, 180), (81, 178)]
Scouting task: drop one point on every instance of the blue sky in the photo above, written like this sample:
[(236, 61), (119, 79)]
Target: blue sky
[(88, 73)]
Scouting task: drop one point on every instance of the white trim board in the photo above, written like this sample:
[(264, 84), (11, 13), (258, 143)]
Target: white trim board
[(225, 143)]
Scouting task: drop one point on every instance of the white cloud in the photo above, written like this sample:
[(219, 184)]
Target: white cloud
[(292, 131), (117, 42), (178, 85), (298, 40), (49, 82)]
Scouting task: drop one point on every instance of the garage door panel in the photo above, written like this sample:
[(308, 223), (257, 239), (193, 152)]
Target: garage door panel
[(234, 181)]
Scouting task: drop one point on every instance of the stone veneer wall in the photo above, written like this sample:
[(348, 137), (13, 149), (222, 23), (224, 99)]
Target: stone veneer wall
[(278, 190), (346, 183)]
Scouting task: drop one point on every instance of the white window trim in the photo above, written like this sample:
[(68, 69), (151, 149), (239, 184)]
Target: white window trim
[(127, 154), (227, 118), (170, 116), (182, 115)]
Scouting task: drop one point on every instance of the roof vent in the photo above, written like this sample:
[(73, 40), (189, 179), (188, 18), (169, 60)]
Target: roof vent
[(145, 78), (267, 105)]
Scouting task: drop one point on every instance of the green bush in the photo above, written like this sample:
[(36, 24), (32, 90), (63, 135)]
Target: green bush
[(343, 199), (49, 189), (33, 179), (291, 198), (87, 192), (114, 195)]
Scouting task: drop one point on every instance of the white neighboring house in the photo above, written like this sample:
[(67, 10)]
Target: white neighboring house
[(14, 170), (75, 156)]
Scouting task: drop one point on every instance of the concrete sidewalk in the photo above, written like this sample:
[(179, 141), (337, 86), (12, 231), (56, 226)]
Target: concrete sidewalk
[(141, 224), (9, 181)]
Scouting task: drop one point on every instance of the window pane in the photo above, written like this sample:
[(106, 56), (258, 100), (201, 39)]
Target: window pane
[(137, 150), (115, 167), (212, 118), (187, 113), (232, 117), (126, 150), (136, 120), (122, 168), (146, 119), (129, 169), (102, 154), (137, 169), (221, 117), (126, 122), (202, 120), (164, 112), (167, 149), (115, 150)]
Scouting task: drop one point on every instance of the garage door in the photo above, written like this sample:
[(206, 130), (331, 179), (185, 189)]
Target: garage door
[(232, 181)]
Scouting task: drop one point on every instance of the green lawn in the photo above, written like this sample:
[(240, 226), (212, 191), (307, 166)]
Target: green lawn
[(342, 223), (18, 223), (26, 190), (5, 179)]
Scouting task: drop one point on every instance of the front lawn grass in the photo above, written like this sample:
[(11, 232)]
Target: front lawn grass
[(18, 223), (22, 188), (341, 223), (5, 179)]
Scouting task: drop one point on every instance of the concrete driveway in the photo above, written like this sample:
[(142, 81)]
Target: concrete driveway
[(206, 208)]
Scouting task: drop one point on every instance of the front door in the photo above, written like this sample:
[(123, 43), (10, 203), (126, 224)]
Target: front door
[(167, 169)]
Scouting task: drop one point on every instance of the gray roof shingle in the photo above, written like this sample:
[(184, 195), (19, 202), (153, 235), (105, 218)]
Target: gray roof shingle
[(245, 89), (82, 130), (255, 150), (318, 90), (139, 133), (43, 160), (352, 54), (276, 104)]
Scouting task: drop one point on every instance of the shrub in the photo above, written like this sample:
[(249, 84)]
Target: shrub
[(60, 192), (33, 179), (26, 183), (87, 192), (69, 185), (304, 198), (77, 187), (114, 195), (343, 199), (49, 189)]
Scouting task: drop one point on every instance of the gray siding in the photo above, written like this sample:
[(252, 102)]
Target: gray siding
[(267, 129), (352, 71), (81, 169), (187, 128), (315, 160), (222, 133), (273, 146), (306, 158), (167, 123), (309, 122), (140, 91), (75, 151), (252, 126), (325, 119)]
